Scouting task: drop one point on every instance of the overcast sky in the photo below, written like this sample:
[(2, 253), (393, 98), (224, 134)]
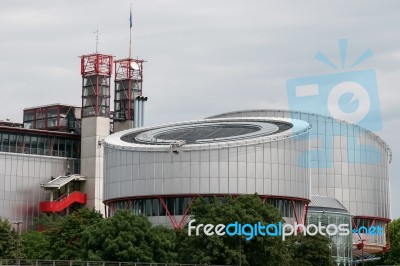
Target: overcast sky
[(204, 57)]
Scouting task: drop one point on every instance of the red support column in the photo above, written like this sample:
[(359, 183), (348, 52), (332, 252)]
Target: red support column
[(372, 224), (387, 248), (304, 214), (180, 225), (294, 210), (128, 205), (264, 199), (168, 213)]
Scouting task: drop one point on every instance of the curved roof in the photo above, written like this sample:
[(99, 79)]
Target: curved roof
[(323, 203), (249, 111), (208, 134)]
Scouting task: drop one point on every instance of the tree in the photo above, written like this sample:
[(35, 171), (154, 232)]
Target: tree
[(8, 240), (65, 234), (35, 245), (310, 250), (245, 209), (123, 237), (163, 244), (393, 256)]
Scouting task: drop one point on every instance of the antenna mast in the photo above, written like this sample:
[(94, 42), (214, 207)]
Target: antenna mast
[(96, 32), (130, 32)]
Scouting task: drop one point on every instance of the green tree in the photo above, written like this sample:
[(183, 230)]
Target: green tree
[(123, 237), (261, 250), (310, 250), (8, 240), (65, 234), (163, 244), (393, 256), (35, 245)]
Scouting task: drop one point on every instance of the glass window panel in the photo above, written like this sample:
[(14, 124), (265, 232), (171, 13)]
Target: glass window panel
[(161, 209), (12, 143), (170, 205), (148, 207), (40, 123), (29, 116)]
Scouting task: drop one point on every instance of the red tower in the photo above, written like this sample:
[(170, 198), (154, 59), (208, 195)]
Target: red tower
[(128, 100), (96, 71)]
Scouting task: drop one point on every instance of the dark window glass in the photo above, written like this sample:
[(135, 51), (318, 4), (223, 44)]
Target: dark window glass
[(161, 209), (155, 207), (170, 205)]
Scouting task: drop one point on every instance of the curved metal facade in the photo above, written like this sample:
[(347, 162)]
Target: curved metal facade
[(334, 159), (267, 165), (348, 163)]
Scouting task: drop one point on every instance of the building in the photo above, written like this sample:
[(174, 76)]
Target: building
[(63, 157), (53, 161), (45, 146), (159, 171), (283, 156), (327, 210), (348, 163)]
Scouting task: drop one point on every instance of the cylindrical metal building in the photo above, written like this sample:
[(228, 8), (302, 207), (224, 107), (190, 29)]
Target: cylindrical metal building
[(348, 163), (159, 171)]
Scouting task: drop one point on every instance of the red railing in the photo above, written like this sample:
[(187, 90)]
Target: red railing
[(63, 203)]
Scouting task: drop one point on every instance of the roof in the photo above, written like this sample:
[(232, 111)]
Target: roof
[(61, 181), (38, 132), (324, 203), (51, 105), (290, 113), (207, 134)]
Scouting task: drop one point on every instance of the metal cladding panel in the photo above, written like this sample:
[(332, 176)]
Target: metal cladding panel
[(268, 168), (20, 179), (348, 162)]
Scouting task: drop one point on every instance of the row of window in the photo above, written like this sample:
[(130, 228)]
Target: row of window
[(49, 117), (40, 145), (178, 206)]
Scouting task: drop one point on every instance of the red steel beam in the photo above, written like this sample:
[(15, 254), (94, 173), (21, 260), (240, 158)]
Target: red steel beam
[(180, 225), (168, 213)]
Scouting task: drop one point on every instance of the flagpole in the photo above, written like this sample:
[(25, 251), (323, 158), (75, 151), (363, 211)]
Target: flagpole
[(130, 33)]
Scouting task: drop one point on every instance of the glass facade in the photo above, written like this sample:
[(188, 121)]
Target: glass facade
[(28, 142), (53, 117), (363, 224), (177, 206), (341, 246)]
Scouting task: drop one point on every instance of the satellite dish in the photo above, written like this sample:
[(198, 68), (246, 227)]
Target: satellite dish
[(135, 66)]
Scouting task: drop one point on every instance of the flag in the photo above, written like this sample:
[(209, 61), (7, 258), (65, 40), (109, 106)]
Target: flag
[(130, 18)]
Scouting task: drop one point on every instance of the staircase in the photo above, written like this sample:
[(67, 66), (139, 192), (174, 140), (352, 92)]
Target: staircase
[(63, 202)]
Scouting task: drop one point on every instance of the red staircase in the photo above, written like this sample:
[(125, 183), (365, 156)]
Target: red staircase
[(63, 203)]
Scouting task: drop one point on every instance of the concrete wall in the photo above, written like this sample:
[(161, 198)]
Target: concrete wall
[(94, 129)]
